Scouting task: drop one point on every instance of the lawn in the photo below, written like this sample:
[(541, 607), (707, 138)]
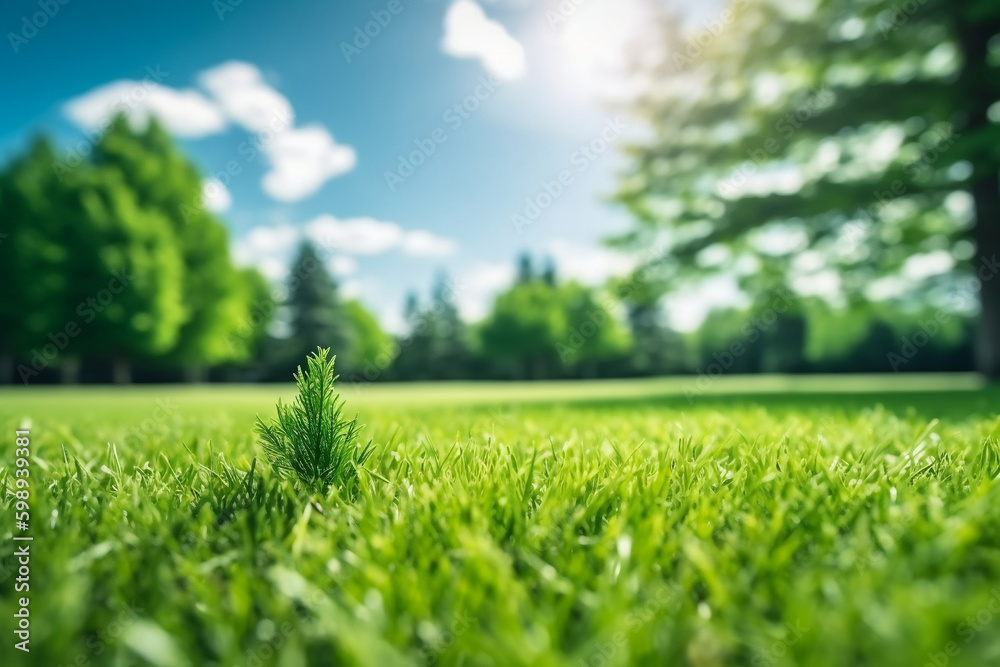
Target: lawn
[(770, 521)]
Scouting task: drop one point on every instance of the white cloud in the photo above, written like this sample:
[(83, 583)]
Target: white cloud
[(476, 288), (302, 160), (185, 113), (268, 248), (590, 265), (368, 236), (420, 243), (469, 33), (360, 236), (242, 94), (272, 248), (342, 265), (215, 195)]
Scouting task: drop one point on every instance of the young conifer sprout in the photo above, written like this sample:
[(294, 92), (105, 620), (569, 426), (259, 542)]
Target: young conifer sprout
[(310, 437)]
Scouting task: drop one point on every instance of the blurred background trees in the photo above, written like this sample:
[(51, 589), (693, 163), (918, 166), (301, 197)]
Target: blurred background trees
[(845, 149), (838, 164)]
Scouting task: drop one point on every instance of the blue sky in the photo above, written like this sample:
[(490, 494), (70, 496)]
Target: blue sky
[(316, 120)]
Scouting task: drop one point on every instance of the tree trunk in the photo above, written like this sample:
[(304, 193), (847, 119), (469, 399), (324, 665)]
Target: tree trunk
[(69, 371), (121, 370), (979, 90), (986, 194)]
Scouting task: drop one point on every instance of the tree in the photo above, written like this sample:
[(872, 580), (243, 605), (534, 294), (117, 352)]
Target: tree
[(593, 334), (549, 276), (107, 270), (164, 180), (546, 330), (656, 348), (248, 339), (126, 276), (450, 353), (436, 345), (838, 145), (317, 317), (30, 256), (524, 327), (525, 270), (414, 347), (372, 349)]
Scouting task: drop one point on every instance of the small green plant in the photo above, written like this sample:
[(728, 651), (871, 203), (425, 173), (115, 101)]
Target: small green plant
[(310, 437)]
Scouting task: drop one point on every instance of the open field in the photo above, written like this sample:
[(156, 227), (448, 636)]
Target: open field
[(771, 521)]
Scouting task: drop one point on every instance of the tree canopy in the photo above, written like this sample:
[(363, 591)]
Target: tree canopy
[(847, 149)]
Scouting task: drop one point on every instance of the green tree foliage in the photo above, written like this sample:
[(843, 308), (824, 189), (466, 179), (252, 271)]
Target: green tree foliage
[(523, 329), (127, 251), (31, 255), (371, 350), (656, 348), (436, 345), (593, 333), (450, 348), (246, 341), (316, 311), (99, 274), (544, 330), (843, 136), (121, 250), (163, 179)]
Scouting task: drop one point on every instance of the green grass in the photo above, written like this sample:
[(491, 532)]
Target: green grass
[(813, 521)]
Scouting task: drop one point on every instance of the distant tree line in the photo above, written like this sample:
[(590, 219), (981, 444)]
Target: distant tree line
[(114, 270)]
